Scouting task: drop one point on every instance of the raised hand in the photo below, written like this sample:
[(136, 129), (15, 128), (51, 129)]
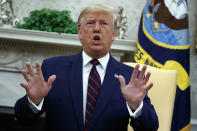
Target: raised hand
[(36, 87), (137, 87)]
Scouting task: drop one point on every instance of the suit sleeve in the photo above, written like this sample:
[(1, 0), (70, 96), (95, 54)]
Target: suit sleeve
[(148, 120), (23, 112)]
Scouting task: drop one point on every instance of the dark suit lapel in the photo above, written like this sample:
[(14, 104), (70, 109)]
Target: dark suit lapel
[(107, 89), (76, 88)]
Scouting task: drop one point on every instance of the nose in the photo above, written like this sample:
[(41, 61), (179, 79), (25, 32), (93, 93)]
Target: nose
[(97, 27)]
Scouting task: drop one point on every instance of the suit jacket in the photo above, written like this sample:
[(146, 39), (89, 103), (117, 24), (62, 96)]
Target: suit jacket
[(64, 103)]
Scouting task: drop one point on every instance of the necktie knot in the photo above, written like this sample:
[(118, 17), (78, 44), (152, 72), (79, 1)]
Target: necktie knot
[(94, 62)]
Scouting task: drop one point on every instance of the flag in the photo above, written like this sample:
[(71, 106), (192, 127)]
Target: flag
[(163, 42)]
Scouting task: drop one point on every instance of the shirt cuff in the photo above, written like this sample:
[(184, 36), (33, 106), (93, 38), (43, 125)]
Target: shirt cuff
[(35, 108), (137, 112)]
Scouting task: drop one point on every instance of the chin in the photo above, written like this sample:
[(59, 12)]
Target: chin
[(97, 48)]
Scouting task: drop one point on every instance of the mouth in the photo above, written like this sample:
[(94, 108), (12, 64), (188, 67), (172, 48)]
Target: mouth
[(97, 39)]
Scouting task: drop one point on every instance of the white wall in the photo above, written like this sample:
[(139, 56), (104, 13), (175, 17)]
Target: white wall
[(132, 8)]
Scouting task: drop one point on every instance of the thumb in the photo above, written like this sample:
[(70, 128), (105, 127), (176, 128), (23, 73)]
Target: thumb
[(122, 81), (51, 80), (25, 86)]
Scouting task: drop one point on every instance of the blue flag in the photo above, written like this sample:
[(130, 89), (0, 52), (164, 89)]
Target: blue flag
[(163, 42)]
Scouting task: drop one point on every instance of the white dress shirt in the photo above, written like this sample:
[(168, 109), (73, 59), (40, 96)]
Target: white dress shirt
[(86, 67)]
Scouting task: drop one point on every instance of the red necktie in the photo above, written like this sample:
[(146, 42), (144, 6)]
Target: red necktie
[(94, 86)]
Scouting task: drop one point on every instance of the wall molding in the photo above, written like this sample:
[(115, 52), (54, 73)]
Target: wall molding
[(18, 46), (194, 122), (58, 39)]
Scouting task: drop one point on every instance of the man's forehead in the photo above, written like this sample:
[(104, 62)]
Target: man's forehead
[(95, 14)]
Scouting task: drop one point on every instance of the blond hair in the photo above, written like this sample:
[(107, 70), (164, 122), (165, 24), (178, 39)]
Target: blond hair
[(99, 7)]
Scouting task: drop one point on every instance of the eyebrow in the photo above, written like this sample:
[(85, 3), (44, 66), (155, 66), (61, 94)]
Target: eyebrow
[(102, 20)]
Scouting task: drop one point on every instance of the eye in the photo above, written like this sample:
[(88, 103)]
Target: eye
[(104, 23), (89, 23)]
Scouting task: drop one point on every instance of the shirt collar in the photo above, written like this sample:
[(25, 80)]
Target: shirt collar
[(103, 60)]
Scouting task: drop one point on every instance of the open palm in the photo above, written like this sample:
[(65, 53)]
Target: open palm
[(36, 87), (137, 87)]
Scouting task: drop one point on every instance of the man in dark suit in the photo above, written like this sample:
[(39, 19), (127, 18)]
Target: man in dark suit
[(62, 88)]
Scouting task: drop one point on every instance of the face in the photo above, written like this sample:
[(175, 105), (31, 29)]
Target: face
[(96, 33)]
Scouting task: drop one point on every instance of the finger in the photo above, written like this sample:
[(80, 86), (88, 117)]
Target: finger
[(135, 72), (30, 69), (38, 69), (147, 88), (25, 86), (25, 75), (142, 72), (147, 77), (51, 80), (122, 81)]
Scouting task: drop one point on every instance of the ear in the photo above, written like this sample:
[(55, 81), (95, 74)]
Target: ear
[(114, 36), (79, 32)]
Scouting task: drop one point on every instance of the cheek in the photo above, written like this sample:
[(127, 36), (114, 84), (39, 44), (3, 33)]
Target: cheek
[(83, 33), (84, 36), (109, 37)]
